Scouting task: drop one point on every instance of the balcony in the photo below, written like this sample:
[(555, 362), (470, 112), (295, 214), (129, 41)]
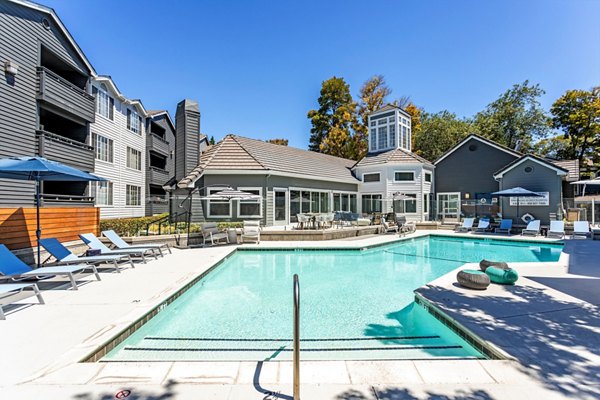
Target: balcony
[(157, 176), (156, 204), (158, 144), (62, 149), (66, 200), (64, 97)]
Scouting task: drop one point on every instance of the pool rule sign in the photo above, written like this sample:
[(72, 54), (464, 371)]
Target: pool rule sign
[(543, 200)]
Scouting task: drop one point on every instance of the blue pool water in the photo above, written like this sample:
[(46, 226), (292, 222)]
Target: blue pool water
[(355, 304)]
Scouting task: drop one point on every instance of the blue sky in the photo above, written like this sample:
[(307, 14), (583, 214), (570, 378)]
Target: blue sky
[(256, 67)]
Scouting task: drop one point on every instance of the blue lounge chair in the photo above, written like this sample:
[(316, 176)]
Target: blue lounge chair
[(64, 255), (121, 244), (466, 226), (9, 289), (12, 267), (94, 243), (505, 226), (482, 225)]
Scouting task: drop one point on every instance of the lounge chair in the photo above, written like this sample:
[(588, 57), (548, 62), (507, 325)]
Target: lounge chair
[(212, 233), (12, 267), (251, 230), (121, 244), (94, 243), (8, 289), (581, 229), (556, 230), (532, 229), (388, 227), (466, 226), (483, 225), (505, 226), (64, 255)]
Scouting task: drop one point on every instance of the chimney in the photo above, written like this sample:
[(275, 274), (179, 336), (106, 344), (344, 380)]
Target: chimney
[(187, 137)]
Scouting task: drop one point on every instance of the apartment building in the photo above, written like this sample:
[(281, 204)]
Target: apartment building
[(160, 160), (119, 141)]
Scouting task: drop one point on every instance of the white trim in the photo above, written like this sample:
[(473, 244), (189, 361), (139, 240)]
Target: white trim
[(286, 206), (403, 181), (107, 80), (371, 173), (208, 215), (417, 202), (274, 173), (381, 201), (465, 140), (259, 201), (437, 200), (559, 172)]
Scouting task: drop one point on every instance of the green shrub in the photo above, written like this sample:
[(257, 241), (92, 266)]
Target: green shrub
[(129, 226), (225, 225)]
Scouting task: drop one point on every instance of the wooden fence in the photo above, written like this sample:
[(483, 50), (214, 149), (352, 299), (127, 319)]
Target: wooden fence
[(17, 225)]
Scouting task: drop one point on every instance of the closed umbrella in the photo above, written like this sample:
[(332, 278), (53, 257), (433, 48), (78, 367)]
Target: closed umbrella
[(231, 194), (517, 192), (40, 169)]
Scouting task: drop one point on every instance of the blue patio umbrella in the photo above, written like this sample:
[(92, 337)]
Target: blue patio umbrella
[(517, 192), (40, 169)]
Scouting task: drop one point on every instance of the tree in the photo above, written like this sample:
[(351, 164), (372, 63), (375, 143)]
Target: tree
[(556, 147), (515, 117), (212, 140), (282, 142), (438, 133), (577, 113), (415, 118), (336, 116), (372, 96)]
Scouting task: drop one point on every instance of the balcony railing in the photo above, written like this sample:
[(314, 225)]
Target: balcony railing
[(66, 199), (158, 144), (157, 176), (65, 96), (62, 149)]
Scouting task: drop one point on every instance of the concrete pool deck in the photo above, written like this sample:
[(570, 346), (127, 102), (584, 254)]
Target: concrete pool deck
[(43, 344)]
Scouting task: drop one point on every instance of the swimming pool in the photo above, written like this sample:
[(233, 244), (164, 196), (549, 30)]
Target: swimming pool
[(355, 304)]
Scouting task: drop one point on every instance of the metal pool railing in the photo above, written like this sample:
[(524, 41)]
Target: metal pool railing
[(296, 338)]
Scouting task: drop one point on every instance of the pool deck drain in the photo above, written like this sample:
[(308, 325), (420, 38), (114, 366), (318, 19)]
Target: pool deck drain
[(552, 333)]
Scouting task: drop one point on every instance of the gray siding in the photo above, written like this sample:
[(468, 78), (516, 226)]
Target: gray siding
[(469, 171), (167, 148), (187, 138), (21, 33), (542, 179)]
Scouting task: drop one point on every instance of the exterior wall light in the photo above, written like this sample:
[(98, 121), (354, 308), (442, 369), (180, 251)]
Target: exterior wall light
[(467, 195), (11, 67)]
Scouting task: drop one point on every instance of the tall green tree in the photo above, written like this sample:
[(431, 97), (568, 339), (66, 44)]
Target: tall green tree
[(372, 96), (438, 133), (336, 115), (557, 147), (212, 140), (279, 141), (577, 113), (515, 117)]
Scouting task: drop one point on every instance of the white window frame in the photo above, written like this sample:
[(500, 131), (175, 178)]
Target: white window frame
[(128, 197), (135, 124), (416, 200), (342, 192), (208, 210), (372, 173), (110, 194), (404, 172), (111, 148), (259, 201), (139, 152), (430, 177), (371, 200), (103, 103), (458, 206)]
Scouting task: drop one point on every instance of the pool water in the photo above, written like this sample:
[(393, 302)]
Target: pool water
[(355, 304)]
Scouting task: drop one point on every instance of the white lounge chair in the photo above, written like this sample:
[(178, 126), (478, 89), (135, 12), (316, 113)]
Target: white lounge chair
[(65, 256), (532, 229), (9, 289), (466, 226), (556, 230), (505, 226), (121, 244), (14, 268), (94, 243), (212, 233), (483, 225), (251, 231), (388, 227), (581, 229)]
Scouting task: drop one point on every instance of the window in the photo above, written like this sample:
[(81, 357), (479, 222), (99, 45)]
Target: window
[(371, 203), (404, 176), (392, 119), (371, 178), (392, 136), (425, 203), (104, 103), (381, 121), (250, 208), (134, 121), (382, 136), (373, 123), (407, 206), (373, 139), (133, 195), (103, 193), (344, 202), (134, 159), (218, 208), (404, 138), (104, 148), (427, 177)]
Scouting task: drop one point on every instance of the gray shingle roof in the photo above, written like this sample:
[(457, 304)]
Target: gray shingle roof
[(572, 166), (396, 156), (240, 153)]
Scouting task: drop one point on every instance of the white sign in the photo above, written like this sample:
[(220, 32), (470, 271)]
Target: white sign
[(544, 200)]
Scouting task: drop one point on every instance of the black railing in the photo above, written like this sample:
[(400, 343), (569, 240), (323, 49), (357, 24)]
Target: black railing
[(62, 139), (57, 78), (172, 223), (160, 138), (65, 198)]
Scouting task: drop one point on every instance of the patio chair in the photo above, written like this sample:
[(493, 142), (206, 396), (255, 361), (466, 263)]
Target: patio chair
[(581, 229), (94, 243), (121, 244), (14, 268), (389, 227), (212, 233), (532, 229), (65, 256), (251, 230), (505, 226), (556, 230), (466, 226), (483, 225), (8, 289)]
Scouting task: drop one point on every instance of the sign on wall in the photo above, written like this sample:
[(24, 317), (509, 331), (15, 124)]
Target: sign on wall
[(544, 200)]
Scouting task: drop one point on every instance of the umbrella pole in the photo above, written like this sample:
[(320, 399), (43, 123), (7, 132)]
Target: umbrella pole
[(38, 231)]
